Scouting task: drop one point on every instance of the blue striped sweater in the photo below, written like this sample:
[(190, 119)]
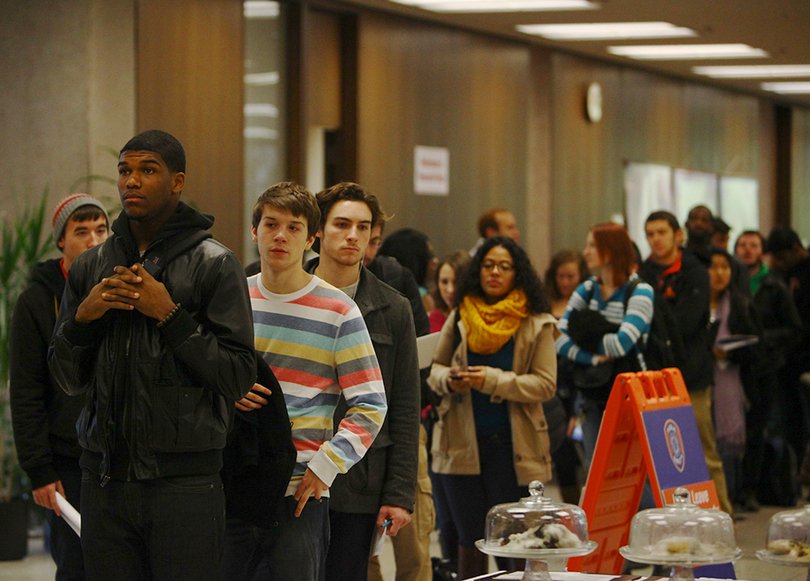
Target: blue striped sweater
[(634, 325)]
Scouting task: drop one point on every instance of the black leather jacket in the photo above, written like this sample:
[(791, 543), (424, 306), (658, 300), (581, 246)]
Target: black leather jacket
[(159, 401)]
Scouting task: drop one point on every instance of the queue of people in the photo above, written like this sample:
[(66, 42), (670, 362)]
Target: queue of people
[(272, 426)]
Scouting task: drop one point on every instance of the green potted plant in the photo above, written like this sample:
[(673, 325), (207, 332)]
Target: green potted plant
[(22, 246)]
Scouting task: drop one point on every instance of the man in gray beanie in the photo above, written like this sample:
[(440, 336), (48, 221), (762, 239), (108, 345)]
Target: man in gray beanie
[(44, 417)]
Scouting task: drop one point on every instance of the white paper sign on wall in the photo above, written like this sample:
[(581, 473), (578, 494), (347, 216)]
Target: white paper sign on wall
[(431, 170)]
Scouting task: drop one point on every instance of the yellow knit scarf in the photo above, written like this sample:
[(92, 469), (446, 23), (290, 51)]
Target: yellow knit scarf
[(489, 327)]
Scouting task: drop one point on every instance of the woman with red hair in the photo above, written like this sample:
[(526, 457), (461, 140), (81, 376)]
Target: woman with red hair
[(605, 326)]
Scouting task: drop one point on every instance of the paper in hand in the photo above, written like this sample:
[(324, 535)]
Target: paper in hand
[(425, 348), (377, 542), (70, 514)]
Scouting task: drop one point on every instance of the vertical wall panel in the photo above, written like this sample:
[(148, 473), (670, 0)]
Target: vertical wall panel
[(427, 85), (323, 69), (800, 184), (190, 83), (536, 236)]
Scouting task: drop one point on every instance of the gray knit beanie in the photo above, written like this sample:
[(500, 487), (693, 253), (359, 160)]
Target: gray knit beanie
[(65, 208)]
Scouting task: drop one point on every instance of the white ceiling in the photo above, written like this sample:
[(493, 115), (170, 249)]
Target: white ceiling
[(780, 27)]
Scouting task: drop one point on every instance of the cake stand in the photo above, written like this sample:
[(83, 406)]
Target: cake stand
[(536, 566), (768, 557), (681, 564)]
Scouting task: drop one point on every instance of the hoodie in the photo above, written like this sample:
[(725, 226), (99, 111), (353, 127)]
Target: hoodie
[(43, 416)]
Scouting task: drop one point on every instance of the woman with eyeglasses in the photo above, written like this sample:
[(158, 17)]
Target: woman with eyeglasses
[(606, 323), (494, 366)]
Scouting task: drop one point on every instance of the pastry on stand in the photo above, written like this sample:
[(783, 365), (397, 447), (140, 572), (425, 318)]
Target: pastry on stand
[(788, 540), (681, 535), (536, 529)]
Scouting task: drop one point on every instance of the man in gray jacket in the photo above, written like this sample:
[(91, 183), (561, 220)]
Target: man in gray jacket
[(380, 489)]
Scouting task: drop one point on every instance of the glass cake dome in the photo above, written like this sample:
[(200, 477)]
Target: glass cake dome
[(536, 523), (682, 533), (789, 535), (536, 528)]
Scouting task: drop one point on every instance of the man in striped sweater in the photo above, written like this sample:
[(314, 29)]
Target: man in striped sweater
[(315, 340)]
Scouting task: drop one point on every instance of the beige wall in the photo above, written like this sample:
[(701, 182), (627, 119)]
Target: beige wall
[(68, 92)]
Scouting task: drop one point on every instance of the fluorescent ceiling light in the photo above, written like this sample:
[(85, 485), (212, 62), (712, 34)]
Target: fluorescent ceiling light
[(788, 88), (262, 79), (260, 9), (499, 5), (688, 51), (606, 30), (754, 71)]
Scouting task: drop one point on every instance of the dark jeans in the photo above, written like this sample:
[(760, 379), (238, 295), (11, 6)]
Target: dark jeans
[(448, 536), (471, 496), (166, 529), (732, 467), (294, 550), (566, 461), (349, 545), (593, 412), (66, 546)]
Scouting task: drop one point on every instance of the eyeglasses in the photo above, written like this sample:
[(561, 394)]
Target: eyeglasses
[(501, 266)]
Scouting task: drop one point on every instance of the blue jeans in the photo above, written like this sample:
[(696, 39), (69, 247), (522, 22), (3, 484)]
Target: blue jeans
[(166, 529), (294, 550), (66, 546)]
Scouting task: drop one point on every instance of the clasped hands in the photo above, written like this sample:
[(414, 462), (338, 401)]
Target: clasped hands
[(128, 289), (459, 381)]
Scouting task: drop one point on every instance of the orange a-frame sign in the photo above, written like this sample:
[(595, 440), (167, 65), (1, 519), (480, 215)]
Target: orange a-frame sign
[(624, 458)]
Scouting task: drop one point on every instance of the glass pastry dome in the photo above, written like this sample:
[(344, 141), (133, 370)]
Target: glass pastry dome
[(536, 522), (682, 535), (536, 528), (788, 538)]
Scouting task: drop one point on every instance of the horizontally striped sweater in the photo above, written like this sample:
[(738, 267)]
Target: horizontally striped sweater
[(317, 344), (633, 325)]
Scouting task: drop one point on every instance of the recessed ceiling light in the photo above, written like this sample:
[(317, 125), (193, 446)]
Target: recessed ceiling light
[(606, 30), (788, 88), (260, 9), (754, 71), (499, 5), (688, 51)]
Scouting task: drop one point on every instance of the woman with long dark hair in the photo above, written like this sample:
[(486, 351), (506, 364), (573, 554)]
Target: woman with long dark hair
[(494, 366), (604, 328), (449, 271), (413, 250), (565, 272), (732, 314)]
